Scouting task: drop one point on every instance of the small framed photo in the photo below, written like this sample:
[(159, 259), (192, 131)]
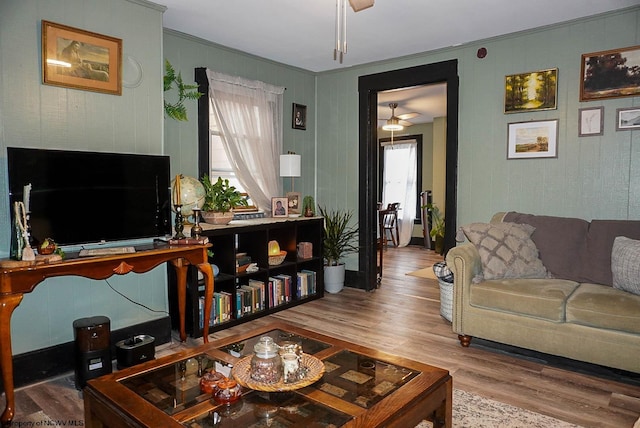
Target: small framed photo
[(293, 203), (590, 121), (610, 74), (80, 59), (627, 118), (533, 91), (299, 120), (528, 140), (279, 207)]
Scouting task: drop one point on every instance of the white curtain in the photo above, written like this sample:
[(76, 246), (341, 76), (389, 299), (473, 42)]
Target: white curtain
[(250, 116), (399, 184)]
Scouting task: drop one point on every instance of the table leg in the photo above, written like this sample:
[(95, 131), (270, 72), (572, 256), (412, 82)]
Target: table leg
[(206, 270), (7, 305), (181, 274)]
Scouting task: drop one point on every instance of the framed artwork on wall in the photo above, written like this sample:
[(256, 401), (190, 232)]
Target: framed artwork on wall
[(590, 121), (299, 120), (528, 140), (80, 59), (627, 118), (279, 207), (610, 74), (533, 91)]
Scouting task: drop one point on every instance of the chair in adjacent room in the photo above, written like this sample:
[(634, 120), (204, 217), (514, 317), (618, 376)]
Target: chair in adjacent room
[(389, 224)]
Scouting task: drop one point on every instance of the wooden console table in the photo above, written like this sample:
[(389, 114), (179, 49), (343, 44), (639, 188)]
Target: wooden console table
[(15, 281)]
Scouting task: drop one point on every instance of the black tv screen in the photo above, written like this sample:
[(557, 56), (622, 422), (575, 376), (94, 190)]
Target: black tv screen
[(80, 197)]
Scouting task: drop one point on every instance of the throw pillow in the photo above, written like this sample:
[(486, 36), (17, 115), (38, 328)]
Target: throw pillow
[(506, 250), (625, 264)]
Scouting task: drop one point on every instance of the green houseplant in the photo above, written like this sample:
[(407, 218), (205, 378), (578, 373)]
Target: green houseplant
[(219, 200), (177, 110), (437, 228), (339, 240), (308, 206)]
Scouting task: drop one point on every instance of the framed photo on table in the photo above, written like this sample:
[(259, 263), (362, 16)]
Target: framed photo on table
[(294, 203), (279, 207), (590, 121), (80, 59), (528, 140)]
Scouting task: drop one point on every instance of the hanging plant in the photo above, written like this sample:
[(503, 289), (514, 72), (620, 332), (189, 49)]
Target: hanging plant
[(177, 110)]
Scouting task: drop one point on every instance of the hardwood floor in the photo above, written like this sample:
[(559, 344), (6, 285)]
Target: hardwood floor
[(403, 317)]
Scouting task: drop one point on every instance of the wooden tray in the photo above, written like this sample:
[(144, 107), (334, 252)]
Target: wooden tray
[(241, 372)]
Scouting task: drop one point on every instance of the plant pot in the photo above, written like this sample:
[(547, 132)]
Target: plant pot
[(213, 217), (334, 278), (439, 245)]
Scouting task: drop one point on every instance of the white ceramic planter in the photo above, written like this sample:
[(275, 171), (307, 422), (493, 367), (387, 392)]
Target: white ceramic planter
[(334, 278)]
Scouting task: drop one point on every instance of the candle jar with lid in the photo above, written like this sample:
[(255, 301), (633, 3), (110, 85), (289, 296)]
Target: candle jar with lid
[(227, 391), (266, 364)]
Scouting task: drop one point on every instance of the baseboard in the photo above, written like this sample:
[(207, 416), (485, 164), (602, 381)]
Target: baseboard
[(41, 364)]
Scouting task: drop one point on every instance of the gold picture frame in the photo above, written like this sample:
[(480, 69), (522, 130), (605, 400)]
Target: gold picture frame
[(79, 59), (532, 91), (610, 74)]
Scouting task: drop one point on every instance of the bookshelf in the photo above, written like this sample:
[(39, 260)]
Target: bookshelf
[(244, 296)]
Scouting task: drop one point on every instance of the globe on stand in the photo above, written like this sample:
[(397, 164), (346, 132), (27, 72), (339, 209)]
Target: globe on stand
[(191, 194)]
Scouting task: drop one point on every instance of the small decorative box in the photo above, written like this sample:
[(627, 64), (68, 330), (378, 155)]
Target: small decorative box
[(305, 250)]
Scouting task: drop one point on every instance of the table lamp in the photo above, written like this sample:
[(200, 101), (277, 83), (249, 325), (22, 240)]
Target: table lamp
[(290, 166)]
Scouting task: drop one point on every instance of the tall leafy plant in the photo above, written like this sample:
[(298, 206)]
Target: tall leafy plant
[(339, 236)]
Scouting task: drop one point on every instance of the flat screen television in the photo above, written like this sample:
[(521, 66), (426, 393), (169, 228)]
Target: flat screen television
[(80, 197)]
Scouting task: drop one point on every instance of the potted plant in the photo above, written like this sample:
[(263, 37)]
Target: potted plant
[(308, 206), (338, 241), (219, 200), (437, 228)]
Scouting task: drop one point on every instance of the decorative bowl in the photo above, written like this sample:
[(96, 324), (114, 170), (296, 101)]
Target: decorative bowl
[(276, 260), (214, 217), (314, 368)]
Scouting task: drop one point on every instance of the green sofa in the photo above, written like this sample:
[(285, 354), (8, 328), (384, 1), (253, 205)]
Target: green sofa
[(573, 310)]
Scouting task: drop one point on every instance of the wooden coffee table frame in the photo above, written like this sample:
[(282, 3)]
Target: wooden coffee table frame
[(107, 402)]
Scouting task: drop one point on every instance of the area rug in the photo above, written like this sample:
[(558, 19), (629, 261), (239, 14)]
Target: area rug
[(423, 273), (471, 410)]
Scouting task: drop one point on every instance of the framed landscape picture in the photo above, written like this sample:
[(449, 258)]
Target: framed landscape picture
[(627, 118), (527, 140), (536, 90), (80, 59), (610, 74)]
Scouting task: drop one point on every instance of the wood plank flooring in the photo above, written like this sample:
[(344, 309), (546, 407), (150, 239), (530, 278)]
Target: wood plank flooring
[(403, 317)]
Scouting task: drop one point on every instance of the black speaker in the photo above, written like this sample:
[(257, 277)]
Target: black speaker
[(92, 348)]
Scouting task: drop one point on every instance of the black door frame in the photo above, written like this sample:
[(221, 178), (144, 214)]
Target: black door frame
[(368, 88)]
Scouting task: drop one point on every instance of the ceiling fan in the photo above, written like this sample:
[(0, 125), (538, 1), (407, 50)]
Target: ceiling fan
[(340, 48), (396, 123)]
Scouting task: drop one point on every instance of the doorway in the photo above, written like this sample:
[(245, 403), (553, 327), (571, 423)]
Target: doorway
[(368, 88)]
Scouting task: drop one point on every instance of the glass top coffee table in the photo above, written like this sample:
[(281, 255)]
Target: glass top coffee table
[(360, 387)]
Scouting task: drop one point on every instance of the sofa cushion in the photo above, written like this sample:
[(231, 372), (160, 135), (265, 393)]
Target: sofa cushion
[(540, 298), (625, 264), (597, 266), (506, 250), (561, 242), (601, 306)]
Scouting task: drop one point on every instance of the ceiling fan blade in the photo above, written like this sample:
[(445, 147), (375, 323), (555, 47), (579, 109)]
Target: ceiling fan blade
[(358, 5), (405, 123), (408, 115)]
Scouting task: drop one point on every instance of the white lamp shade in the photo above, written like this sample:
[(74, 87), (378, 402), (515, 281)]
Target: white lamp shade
[(290, 165)]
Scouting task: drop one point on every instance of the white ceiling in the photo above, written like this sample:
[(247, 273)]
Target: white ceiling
[(301, 33)]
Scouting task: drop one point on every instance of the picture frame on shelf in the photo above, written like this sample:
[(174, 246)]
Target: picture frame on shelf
[(279, 207), (627, 118), (590, 121), (609, 74), (294, 203), (532, 139), (532, 91), (299, 116), (80, 59)]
